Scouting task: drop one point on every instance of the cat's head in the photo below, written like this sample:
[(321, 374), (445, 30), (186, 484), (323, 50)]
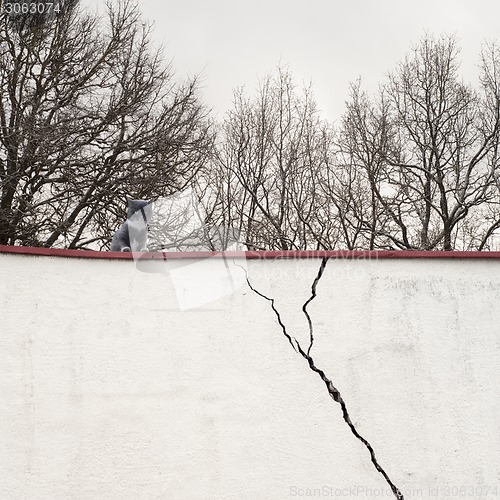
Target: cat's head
[(136, 205)]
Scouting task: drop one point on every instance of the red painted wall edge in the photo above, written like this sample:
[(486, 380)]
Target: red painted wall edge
[(264, 254)]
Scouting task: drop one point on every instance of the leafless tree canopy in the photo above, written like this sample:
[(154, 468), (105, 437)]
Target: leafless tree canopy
[(89, 114), (265, 175), (415, 167)]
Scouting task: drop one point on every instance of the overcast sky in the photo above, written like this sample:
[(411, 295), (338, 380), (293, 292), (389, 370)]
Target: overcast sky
[(327, 42)]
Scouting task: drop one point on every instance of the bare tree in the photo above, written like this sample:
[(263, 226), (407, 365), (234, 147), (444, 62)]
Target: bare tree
[(266, 171), (451, 138), (428, 149), (359, 179), (89, 114)]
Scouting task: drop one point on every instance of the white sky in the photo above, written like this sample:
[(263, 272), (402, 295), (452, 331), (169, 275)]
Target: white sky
[(329, 42)]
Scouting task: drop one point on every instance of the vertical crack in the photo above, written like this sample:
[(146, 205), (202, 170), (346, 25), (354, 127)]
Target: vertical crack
[(333, 392), (313, 295)]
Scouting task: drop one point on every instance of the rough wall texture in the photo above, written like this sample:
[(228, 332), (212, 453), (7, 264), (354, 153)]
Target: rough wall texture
[(115, 383)]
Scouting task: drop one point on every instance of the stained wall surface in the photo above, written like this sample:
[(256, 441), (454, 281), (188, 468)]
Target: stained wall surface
[(181, 384)]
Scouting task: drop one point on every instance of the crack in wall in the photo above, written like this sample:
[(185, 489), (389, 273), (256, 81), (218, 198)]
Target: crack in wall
[(332, 390), (313, 295)]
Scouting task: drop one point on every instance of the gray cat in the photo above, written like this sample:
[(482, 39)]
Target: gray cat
[(132, 235)]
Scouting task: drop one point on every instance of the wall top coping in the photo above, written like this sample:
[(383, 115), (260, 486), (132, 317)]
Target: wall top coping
[(257, 254)]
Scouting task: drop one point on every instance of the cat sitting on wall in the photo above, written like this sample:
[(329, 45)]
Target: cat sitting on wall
[(132, 236)]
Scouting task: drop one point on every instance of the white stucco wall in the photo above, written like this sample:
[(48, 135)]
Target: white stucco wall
[(109, 390)]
